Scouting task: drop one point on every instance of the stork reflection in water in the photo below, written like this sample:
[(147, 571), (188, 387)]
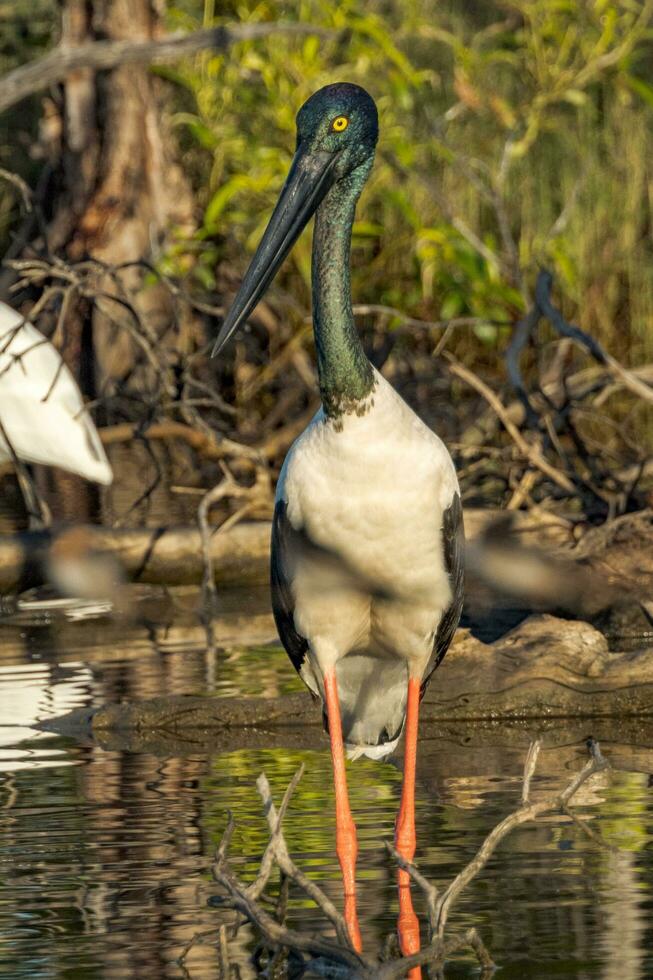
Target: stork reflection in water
[(367, 536)]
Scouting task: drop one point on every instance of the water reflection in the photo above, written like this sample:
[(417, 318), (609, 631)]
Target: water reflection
[(105, 858), (29, 693)]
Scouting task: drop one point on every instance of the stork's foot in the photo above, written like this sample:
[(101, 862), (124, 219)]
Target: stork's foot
[(408, 923), (351, 918)]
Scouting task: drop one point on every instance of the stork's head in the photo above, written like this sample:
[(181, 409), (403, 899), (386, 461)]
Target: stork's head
[(337, 130), (340, 120)]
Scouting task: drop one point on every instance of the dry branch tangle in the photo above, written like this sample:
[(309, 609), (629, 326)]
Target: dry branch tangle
[(327, 957)]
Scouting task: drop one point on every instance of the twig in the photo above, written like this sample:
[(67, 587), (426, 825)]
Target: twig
[(529, 769), (211, 446), (21, 186), (521, 334), (367, 309), (218, 492), (286, 863), (429, 890), (37, 509), (225, 968), (228, 487)]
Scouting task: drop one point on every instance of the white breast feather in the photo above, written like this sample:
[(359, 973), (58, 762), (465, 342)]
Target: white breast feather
[(374, 493)]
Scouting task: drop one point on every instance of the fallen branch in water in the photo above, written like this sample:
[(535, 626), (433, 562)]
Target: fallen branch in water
[(329, 957)]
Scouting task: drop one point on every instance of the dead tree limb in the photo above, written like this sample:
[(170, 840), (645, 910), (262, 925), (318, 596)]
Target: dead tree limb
[(528, 451), (589, 343), (555, 410), (524, 329), (105, 55)]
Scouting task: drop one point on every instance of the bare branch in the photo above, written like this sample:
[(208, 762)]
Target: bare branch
[(37, 509), (429, 890), (521, 334), (368, 309), (339, 959), (105, 55), (212, 447), (289, 867)]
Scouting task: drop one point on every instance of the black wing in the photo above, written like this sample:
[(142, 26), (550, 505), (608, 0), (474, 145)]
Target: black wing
[(285, 542), (453, 547)]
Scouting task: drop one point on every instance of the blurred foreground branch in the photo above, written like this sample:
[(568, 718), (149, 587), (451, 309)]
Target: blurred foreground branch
[(336, 957)]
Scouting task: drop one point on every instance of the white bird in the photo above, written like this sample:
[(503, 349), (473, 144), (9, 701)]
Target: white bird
[(42, 415), (367, 536)]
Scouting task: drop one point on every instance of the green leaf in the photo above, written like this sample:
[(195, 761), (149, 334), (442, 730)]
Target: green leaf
[(640, 87)]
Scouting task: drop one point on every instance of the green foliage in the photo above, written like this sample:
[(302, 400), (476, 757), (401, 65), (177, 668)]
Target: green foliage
[(513, 135)]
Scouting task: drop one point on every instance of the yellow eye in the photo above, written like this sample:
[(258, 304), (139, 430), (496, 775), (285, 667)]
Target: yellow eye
[(339, 124)]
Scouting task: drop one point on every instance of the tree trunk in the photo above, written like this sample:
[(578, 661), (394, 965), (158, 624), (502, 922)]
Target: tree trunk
[(119, 191)]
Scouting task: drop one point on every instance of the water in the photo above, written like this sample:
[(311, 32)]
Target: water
[(107, 846)]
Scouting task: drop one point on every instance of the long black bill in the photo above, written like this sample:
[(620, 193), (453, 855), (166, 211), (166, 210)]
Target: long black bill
[(310, 177)]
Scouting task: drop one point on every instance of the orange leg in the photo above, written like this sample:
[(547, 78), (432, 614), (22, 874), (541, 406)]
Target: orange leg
[(405, 842), (346, 842)]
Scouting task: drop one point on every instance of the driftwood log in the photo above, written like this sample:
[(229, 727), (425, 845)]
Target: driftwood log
[(545, 670)]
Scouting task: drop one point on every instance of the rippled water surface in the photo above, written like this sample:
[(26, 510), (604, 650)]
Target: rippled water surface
[(106, 847)]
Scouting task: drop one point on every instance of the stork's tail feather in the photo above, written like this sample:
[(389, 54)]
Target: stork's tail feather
[(375, 752)]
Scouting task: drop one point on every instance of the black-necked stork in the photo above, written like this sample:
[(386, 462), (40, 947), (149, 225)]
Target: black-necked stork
[(367, 536)]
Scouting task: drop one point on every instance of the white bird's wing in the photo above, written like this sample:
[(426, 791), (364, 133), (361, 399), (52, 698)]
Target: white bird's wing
[(41, 407)]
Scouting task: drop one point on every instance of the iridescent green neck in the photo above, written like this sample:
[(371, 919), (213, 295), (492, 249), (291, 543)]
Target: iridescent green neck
[(345, 374)]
